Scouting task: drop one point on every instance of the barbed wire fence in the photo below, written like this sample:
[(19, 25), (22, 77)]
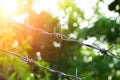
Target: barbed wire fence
[(64, 38), (31, 61)]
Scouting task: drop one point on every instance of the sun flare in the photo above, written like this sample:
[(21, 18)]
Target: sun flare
[(46, 5), (8, 6)]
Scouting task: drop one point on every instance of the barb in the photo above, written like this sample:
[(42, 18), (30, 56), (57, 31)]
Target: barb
[(31, 61), (65, 38), (111, 47)]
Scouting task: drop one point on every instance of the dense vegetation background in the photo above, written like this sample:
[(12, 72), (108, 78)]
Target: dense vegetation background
[(96, 22)]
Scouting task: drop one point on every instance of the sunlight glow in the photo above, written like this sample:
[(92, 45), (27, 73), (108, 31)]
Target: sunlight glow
[(38, 54), (86, 6), (73, 35), (15, 44), (46, 5), (9, 6), (104, 10), (90, 40), (20, 18), (56, 44), (87, 59), (109, 77), (107, 1)]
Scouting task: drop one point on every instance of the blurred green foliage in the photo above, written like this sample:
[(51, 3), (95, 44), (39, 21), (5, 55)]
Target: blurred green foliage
[(69, 56)]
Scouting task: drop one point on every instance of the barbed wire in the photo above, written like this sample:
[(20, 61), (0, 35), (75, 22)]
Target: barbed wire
[(31, 61), (65, 38)]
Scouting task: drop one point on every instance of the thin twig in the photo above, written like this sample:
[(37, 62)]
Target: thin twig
[(31, 61)]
